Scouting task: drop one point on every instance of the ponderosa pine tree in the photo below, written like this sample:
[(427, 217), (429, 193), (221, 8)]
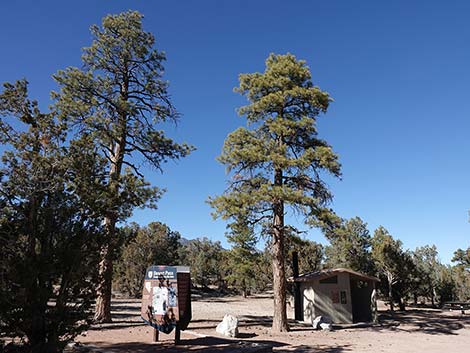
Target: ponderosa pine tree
[(310, 254), (242, 257), (350, 246), (279, 160), (118, 97)]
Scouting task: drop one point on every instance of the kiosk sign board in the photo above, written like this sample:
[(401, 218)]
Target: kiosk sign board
[(160, 298)]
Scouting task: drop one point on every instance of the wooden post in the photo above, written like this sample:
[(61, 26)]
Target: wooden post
[(177, 334), (155, 334), (297, 295)]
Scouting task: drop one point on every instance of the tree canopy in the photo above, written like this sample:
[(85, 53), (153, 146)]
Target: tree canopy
[(242, 258), (462, 258), (49, 224), (153, 244), (394, 264), (118, 98), (278, 160), (350, 246)]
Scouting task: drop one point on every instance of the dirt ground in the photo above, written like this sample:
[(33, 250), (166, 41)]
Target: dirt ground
[(416, 330)]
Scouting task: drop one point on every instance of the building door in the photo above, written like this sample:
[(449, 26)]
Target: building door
[(360, 300)]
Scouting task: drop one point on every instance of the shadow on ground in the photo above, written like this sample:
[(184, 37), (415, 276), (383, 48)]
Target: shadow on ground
[(117, 324), (217, 345), (434, 322), (126, 314), (243, 321)]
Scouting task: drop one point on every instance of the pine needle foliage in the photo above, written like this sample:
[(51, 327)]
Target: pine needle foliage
[(242, 257), (49, 225), (119, 97), (278, 160)]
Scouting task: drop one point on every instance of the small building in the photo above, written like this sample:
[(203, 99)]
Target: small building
[(343, 295)]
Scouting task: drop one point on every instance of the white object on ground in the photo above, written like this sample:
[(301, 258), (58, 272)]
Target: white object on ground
[(322, 322), (229, 326), (325, 326)]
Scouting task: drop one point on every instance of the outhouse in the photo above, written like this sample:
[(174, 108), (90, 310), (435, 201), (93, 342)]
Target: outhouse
[(343, 295)]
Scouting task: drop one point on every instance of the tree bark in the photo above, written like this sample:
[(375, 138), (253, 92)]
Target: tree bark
[(34, 292), (105, 275), (401, 304), (279, 274), (373, 302), (103, 290), (390, 293)]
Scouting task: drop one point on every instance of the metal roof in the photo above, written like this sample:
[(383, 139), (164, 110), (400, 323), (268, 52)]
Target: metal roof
[(322, 274)]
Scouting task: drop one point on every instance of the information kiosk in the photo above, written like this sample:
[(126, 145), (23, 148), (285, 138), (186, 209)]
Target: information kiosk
[(166, 299)]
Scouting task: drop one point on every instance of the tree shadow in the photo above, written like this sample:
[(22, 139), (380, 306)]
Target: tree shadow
[(129, 308), (217, 345), (243, 321), (123, 315), (315, 349), (217, 300), (255, 320), (117, 325), (247, 335), (206, 344), (204, 321), (433, 322), (247, 321), (216, 296)]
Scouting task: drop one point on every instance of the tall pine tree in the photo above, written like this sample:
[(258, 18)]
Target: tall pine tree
[(119, 97), (278, 161)]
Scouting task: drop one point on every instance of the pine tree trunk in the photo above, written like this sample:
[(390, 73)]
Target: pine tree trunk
[(105, 275), (279, 274), (401, 304), (37, 336), (433, 296), (103, 290), (35, 290), (390, 293), (103, 300)]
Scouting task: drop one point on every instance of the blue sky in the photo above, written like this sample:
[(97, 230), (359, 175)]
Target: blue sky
[(399, 73)]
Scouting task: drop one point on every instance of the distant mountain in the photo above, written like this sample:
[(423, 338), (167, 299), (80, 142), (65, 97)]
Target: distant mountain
[(184, 241)]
